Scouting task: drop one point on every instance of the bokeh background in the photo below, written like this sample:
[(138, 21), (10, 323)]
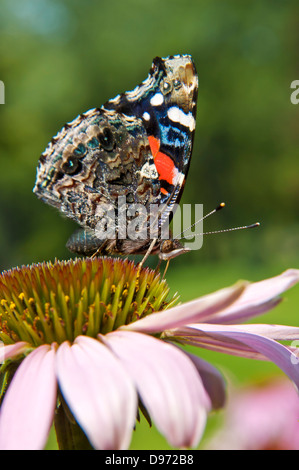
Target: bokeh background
[(59, 58)]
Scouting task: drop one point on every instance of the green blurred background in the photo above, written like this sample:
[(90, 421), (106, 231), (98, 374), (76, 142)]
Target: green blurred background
[(59, 58)]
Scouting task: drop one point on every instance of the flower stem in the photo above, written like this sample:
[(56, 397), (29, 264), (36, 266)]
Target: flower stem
[(68, 433)]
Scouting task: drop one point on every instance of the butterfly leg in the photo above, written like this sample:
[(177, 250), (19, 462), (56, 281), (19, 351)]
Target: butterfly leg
[(149, 250), (166, 267), (158, 265), (95, 253)]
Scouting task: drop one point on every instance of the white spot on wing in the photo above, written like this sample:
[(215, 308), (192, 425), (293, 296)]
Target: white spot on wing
[(146, 116), (157, 99), (175, 114)]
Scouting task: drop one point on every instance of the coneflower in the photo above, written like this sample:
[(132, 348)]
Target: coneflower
[(88, 343)]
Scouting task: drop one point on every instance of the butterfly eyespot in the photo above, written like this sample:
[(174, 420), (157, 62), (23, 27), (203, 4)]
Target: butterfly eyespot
[(80, 150), (93, 143), (177, 83), (106, 139), (166, 87), (72, 166)]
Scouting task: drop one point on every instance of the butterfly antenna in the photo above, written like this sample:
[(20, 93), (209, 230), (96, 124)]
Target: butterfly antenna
[(221, 206), (257, 224)]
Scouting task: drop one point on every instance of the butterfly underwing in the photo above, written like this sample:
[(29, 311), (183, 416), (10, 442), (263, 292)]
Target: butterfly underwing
[(136, 148)]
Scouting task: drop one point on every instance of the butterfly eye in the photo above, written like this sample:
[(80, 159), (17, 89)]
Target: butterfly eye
[(167, 246), (72, 166), (177, 83), (106, 139), (166, 87)]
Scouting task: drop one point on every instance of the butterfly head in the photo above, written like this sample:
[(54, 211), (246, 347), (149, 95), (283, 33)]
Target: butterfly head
[(171, 249)]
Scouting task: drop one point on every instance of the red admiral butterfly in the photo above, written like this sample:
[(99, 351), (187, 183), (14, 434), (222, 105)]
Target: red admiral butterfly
[(135, 149)]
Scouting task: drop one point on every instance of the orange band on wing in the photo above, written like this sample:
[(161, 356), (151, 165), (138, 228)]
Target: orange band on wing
[(165, 166), (154, 144)]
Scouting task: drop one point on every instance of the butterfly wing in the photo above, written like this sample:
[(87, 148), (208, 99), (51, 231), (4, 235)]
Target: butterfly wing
[(94, 160), (166, 103)]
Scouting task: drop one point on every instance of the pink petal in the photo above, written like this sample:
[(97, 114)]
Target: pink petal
[(213, 381), (257, 298), (189, 312), (12, 350), (237, 337), (277, 332), (194, 337), (260, 417), (98, 391), (168, 384), (29, 403)]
